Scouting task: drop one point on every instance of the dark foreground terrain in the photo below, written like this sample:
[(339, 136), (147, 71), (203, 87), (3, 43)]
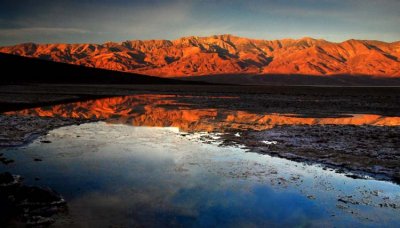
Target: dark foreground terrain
[(293, 79)]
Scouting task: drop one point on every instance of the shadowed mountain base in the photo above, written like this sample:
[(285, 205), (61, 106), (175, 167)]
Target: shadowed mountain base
[(29, 70), (285, 79)]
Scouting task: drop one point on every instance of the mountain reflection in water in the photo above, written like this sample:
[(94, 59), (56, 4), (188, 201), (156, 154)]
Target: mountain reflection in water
[(169, 111)]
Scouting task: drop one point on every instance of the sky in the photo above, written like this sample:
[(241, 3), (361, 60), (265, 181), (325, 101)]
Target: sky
[(90, 21)]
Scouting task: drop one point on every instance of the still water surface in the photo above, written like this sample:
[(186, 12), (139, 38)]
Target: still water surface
[(194, 114), (113, 174)]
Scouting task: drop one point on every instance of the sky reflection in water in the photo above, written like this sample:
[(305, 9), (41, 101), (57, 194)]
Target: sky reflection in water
[(124, 175)]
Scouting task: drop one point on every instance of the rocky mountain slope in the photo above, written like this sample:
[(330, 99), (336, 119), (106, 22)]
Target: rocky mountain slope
[(226, 54)]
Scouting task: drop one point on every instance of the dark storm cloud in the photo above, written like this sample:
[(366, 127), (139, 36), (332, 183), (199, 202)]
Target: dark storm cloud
[(98, 21)]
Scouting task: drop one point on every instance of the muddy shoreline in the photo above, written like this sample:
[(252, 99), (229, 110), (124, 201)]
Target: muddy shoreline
[(21, 130), (301, 100), (359, 151)]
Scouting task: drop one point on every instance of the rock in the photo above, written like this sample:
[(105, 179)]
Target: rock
[(7, 179), (348, 200), (311, 197), (36, 196), (39, 221), (6, 161), (30, 205)]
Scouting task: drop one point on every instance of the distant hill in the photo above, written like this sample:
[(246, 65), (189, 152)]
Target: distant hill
[(227, 55), (17, 69)]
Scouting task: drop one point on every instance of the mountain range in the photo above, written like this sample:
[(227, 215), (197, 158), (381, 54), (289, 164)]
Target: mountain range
[(226, 55)]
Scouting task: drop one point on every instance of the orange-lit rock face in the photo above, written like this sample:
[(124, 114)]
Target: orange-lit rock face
[(166, 111), (227, 54)]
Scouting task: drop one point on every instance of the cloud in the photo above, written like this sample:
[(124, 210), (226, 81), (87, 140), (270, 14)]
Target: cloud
[(53, 23), (41, 30), (353, 10), (102, 20)]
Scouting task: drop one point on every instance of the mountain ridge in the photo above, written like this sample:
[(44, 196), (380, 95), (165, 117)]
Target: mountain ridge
[(226, 54)]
